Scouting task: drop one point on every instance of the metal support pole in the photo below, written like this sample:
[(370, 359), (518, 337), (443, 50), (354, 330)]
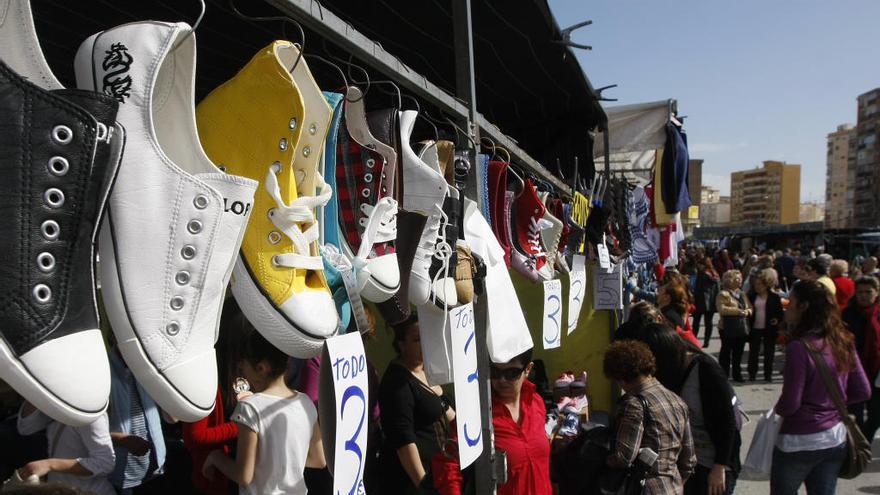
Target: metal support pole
[(465, 90)]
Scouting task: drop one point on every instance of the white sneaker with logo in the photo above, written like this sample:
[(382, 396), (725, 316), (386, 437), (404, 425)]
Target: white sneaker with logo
[(175, 221)]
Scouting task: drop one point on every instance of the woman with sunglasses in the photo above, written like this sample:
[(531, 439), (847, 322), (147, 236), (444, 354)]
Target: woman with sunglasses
[(518, 416)]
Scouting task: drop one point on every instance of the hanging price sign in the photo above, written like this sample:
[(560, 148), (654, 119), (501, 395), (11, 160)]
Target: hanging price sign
[(343, 405), (577, 286), (467, 389), (552, 314)]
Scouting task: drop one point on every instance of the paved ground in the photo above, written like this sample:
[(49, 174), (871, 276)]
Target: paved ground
[(758, 397)]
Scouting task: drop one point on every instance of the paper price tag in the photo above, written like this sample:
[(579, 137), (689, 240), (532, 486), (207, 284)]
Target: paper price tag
[(604, 259), (552, 314), (344, 411), (577, 287), (467, 389)]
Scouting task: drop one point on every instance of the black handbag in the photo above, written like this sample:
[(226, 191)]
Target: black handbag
[(631, 479)]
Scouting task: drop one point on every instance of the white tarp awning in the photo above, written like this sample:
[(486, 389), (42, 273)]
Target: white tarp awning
[(635, 132)]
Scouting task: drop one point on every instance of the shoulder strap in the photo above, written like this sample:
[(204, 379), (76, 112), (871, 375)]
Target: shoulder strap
[(646, 418), (830, 386)]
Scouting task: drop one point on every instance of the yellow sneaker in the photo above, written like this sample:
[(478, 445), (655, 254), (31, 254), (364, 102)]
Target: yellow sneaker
[(269, 124)]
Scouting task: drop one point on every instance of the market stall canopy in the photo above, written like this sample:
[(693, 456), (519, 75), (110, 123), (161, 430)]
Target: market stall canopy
[(635, 132)]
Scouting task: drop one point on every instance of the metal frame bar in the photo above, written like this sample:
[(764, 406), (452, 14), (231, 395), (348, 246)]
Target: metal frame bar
[(320, 20)]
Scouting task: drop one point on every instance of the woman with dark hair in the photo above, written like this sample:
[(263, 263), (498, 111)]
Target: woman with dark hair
[(674, 301), (707, 285), (699, 380), (811, 446), (641, 314), (414, 417), (648, 417), (518, 417)]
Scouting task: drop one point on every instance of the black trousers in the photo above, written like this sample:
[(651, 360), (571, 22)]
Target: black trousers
[(731, 354), (707, 318), (759, 338), (873, 421)]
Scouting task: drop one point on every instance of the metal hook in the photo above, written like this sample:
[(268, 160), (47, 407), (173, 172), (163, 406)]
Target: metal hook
[(492, 143), (302, 33), (505, 152), (396, 92), (598, 93), (463, 133), (192, 31), (566, 36), (319, 58), (422, 116)]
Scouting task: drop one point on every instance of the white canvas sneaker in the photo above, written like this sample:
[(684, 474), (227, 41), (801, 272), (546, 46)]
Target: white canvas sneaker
[(424, 192), (175, 221)]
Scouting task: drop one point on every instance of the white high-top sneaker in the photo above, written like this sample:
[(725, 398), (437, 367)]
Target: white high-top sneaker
[(175, 221), (424, 191)]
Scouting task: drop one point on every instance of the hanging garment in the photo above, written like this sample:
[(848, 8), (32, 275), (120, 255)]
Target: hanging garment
[(527, 226), (175, 221), (507, 333), (643, 251), (674, 175), (497, 200), (483, 186), (658, 208), (270, 124)]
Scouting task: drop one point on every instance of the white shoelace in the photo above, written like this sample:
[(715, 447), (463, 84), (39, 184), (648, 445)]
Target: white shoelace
[(381, 227), (534, 236), (289, 219), (443, 252)]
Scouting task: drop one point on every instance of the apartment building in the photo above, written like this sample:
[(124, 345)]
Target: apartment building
[(766, 196)]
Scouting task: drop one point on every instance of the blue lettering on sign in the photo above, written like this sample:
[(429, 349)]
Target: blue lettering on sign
[(349, 368), (463, 317), (472, 441), (552, 316), (351, 444), (577, 292)]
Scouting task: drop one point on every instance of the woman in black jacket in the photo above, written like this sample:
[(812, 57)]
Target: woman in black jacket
[(765, 322), (699, 380), (706, 287)]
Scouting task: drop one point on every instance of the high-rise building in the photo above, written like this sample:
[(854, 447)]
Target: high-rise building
[(840, 177), (812, 212), (767, 195), (866, 200)]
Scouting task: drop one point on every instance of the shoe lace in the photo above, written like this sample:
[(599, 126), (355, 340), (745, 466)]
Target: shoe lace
[(533, 239), (289, 219), (381, 226), (443, 253)]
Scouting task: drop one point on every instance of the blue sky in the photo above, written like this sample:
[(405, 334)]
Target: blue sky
[(758, 79)]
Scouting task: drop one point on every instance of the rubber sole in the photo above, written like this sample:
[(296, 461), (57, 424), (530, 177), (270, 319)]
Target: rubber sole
[(14, 372), (154, 382), (269, 320)]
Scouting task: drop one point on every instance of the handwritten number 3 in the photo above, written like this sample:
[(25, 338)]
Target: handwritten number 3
[(555, 319), (351, 444)]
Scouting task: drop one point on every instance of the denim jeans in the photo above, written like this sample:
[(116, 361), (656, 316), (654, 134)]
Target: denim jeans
[(817, 469)]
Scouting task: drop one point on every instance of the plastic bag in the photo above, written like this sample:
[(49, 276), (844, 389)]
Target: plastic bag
[(760, 457)]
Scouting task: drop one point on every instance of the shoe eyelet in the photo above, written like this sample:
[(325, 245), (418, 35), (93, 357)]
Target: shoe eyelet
[(53, 197), (276, 167), (200, 202), (182, 277), (307, 151), (194, 226), (221, 168), (368, 177), (365, 192), (50, 230), (313, 129), (62, 134), (371, 163), (292, 124), (188, 252), (172, 328), (275, 261), (271, 213), (282, 145), (176, 303), (274, 237), (58, 166), (45, 262), (42, 293), (362, 222)]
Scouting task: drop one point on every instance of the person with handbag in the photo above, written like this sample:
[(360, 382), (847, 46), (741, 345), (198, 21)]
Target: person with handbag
[(648, 417), (818, 441), (734, 308), (764, 322)]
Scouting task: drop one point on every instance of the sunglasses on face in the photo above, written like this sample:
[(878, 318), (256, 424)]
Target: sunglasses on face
[(509, 374)]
